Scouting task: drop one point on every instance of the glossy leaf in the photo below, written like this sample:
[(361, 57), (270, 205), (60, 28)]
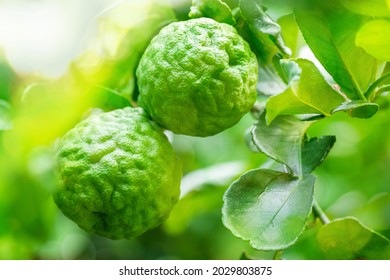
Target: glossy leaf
[(269, 82), (376, 8), (264, 36), (379, 85), (291, 34), (374, 38), (358, 109), (273, 165), (314, 151), (330, 30), (285, 141), (263, 27), (288, 70), (348, 239), (268, 208), (281, 140), (215, 9), (309, 93), (287, 103), (284, 72)]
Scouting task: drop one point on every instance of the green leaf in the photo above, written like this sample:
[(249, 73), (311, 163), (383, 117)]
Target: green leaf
[(376, 8), (358, 108), (348, 239), (379, 85), (291, 34), (329, 30), (314, 151), (215, 9), (287, 103), (273, 165), (264, 37), (281, 140), (266, 30), (5, 115), (269, 82), (273, 78), (313, 89), (374, 38), (288, 70), (308, 94), (268, 208), (285, 141)]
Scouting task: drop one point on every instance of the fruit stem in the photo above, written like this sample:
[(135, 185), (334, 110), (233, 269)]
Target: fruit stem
[(318, 212)]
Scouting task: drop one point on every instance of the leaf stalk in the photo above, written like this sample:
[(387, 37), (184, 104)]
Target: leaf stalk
[(371, 93)]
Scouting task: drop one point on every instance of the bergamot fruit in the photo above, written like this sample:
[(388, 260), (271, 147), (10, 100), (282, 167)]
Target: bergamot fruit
[(118, 175), (197, 77)]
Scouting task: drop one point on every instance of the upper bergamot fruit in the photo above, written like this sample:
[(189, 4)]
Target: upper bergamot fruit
[(197, 77), (118, 175)]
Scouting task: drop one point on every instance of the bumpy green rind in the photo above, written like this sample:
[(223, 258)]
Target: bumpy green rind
[(197, 77), (118, 175)]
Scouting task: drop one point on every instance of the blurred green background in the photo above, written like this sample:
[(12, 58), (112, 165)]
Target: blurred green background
[(82, 56)]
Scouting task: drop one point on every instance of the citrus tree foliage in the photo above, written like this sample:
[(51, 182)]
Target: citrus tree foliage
[(317, 61), (270, 207)]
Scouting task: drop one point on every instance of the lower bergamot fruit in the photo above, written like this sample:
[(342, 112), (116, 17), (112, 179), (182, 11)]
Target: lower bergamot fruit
[(118, 175), (197, 77)]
